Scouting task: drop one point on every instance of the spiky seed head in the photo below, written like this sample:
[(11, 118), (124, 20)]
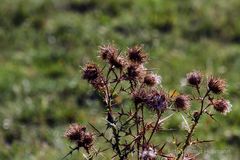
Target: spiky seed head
[(135, 72), (75, 132), (137, 55), (90, 71), (139, 96), (182, 102), (118, 62), (152, 79), (194, 78), (223, 106), (87, 140), (157, 100), (107, 51), (216, 85)]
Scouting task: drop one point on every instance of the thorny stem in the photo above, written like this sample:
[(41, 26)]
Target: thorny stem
[(155, 127), (70, 152), (108, 96), (137, 127), (101, 134), (198, 90), (109, 104), (190, 133), (143, 125), (117, 144)]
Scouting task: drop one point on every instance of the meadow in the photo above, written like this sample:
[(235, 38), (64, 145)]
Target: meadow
[(44, 43)]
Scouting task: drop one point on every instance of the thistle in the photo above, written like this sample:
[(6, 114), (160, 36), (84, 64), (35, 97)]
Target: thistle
[(216, 85), (194, 78), (182, 102), (128, 131)]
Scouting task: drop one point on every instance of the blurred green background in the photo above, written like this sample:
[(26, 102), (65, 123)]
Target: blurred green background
[(44, 42)]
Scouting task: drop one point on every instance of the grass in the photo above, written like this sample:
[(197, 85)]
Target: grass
[(43, 43)]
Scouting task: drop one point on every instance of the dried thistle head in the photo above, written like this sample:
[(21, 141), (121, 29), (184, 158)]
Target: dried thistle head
[(90, 71), (107, 51), (137, 55), (87, 141), (182, 102), (194, 78), (75, 132), (135, 72), (216, 85), (118, 62), (152, 79), (157, 100), (139, 96), (223, 106)]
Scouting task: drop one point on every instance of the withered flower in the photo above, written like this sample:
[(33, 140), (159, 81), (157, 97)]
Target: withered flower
[(216, 85), (223, 106), (77, 134), (87, 141), (152, 79), (194, 78), (107, 51), (135, 72), (182, 102), (137, 55), (139, 96), (118, 62), (157, 100), (90, 71)]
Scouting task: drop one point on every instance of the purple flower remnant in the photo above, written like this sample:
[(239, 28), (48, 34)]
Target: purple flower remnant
[(118, 62), (139, 96), (216, 85), (223, 106), (107, 52), (77, 134), (152, 79), (182, 102), (157, 100), (135, 72), (194, 78), (90, 72), (136, 55)]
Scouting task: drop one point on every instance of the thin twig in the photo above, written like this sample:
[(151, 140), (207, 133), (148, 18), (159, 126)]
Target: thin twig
[(70, 152), (190, 133), (155, 127)]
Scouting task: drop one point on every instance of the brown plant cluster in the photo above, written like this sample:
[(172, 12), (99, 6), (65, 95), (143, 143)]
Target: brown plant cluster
[(132, 130), (78, 134)]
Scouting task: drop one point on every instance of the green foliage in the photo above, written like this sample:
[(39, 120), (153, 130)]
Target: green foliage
[(43, 42)]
